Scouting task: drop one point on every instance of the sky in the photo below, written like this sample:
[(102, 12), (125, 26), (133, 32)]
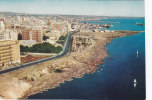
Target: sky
[(130, 8)]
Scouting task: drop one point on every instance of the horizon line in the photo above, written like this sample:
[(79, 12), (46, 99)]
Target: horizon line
[(68, 14)]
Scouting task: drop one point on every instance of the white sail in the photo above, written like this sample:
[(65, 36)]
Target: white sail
[(135, 82), (134, 85)]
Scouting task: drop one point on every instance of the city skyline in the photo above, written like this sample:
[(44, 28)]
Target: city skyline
[(78, 7)]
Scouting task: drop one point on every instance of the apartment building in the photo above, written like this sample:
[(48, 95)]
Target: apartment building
[(63, 27), (56, 27), (9, 53), (8, 35), (30, 34), (2, 37), (2, 26)]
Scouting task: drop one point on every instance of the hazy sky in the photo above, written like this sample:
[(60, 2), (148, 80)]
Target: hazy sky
[(134, 8)]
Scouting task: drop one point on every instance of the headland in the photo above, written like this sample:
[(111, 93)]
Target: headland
[(86, 53)]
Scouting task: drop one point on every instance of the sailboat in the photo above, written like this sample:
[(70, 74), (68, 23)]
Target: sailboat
[(135, 82), (137, 52)]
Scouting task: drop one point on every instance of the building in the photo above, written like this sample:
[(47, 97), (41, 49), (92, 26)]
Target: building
[(53, 36), (37, 35), (30, 34), (26, 34), (8, 36), (28, 43), (85, 30), (9, 49), (56, 27), (62, 27), (2, 37), (9, 53), (2, 26)]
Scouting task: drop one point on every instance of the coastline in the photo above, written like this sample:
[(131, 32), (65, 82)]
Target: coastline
[(42, 77)]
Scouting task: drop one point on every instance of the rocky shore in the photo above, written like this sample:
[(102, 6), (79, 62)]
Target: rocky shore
[(87, 52)]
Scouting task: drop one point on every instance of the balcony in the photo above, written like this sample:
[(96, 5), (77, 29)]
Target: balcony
[(6, 48), (5, 55), (6, 51), (10, 45), (6, 60)]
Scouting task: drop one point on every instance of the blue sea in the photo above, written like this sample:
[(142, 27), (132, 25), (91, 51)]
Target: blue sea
[(116, 79)]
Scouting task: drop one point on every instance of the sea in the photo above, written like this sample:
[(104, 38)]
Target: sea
[(115, 79)]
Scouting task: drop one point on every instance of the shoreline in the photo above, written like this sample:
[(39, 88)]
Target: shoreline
[(74, 65)]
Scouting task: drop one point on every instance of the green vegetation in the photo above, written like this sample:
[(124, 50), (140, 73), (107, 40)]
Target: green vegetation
[(45, 37), (24, 48), (58, 71), (41, 48), (62, 37), (62, 40)]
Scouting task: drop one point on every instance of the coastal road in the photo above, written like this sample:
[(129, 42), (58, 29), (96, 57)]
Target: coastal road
[(65, 51)]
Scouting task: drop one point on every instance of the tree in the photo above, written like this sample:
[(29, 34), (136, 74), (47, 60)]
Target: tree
[(58, 49), (24, 48), (19, 36), (41, 48), (45, 37), (62, 40), (62, 37), (58, 71)]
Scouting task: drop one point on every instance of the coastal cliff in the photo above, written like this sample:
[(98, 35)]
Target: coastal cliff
[(87, 52)]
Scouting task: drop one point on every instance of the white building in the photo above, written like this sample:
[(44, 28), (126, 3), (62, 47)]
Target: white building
[(8, 36), (28, 43), (51, 41), (2, 26), (85, 30)]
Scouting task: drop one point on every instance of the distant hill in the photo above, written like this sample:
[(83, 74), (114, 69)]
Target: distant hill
[(12, 13), (36, 15)]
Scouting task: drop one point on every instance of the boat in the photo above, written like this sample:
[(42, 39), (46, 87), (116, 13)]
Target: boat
[(106, 26), (140, 24), (137, 53), (135, 82)]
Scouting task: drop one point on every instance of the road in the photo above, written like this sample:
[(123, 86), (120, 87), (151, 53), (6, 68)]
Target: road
[(66, 50)]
